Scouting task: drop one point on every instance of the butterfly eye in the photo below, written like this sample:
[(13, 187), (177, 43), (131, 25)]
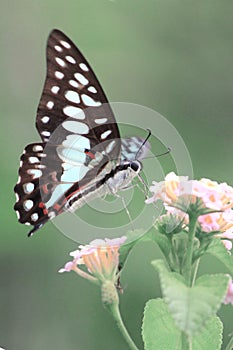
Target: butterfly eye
[(136, 166)]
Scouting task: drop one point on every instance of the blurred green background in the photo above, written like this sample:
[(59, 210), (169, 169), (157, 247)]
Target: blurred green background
[(172, 56)]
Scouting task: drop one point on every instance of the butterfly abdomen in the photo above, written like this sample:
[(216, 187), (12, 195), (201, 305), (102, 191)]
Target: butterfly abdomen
[(118, 179)]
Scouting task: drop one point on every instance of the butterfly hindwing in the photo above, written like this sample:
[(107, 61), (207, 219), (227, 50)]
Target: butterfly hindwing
[(29, 206), (134, 148)]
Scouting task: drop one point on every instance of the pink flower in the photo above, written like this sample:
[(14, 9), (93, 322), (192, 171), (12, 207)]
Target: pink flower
[(211, 201), (100, 257), (229, 295), (217, 196), (227, 244), (68, 267), (180, 192), (222, 222)]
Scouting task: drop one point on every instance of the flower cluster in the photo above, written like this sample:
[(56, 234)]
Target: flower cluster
[(100, 258), (212, 201), (214, 196)]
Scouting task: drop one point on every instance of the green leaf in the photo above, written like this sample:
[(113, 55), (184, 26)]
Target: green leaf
[(217, 249), (162, 241), (158, 329), (210, 336), (191, 307)]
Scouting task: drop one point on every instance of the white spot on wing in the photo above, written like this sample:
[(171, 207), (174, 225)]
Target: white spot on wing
[(58, 48), (88, 101), (100, 120), (72, 96), (105, 134), (72, 151), (110, 146), (59, 75), (76, 127), (28, 204), (33, 160), (41, 166), (17, 197), (45, 133), (18, 215), (65, 44), (42, 155), (70, 59), (92, 89), (35, 172), (60, 62), (45, 120), (81, 78), (37, 148), (34, 217), (19, 180), (50, 104), (76, 142), (72, 157), (74, 83), (28, 187), (74, 112), (84, 67), (55, 89)]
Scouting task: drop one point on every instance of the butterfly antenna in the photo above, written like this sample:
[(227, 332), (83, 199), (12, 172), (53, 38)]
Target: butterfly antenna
[(144, 142), (163, 154), (159, 155)]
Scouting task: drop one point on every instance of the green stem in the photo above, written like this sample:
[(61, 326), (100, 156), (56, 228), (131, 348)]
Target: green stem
[(114, 309), (174, 265), (230, 344), (195, 271), (189, 255), (186, 342), (190, 343)]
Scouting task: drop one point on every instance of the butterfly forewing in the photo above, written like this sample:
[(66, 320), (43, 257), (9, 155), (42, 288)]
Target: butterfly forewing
[(73, 99)]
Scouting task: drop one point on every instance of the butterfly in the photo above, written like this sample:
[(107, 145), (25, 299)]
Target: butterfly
[(82, 155)]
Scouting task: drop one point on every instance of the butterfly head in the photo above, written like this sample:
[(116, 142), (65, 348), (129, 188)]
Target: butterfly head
[(136, 166)]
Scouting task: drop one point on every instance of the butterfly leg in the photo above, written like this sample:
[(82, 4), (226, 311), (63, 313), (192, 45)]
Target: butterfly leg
[(126, 209), (145, 189)]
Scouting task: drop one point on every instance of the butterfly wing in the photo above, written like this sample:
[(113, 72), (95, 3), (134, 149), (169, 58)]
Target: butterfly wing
[(29, 206), (134, 148), (79, 133), (72, 93)]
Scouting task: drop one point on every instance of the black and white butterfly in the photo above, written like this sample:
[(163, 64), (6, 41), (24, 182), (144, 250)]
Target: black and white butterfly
[(81, 155)]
